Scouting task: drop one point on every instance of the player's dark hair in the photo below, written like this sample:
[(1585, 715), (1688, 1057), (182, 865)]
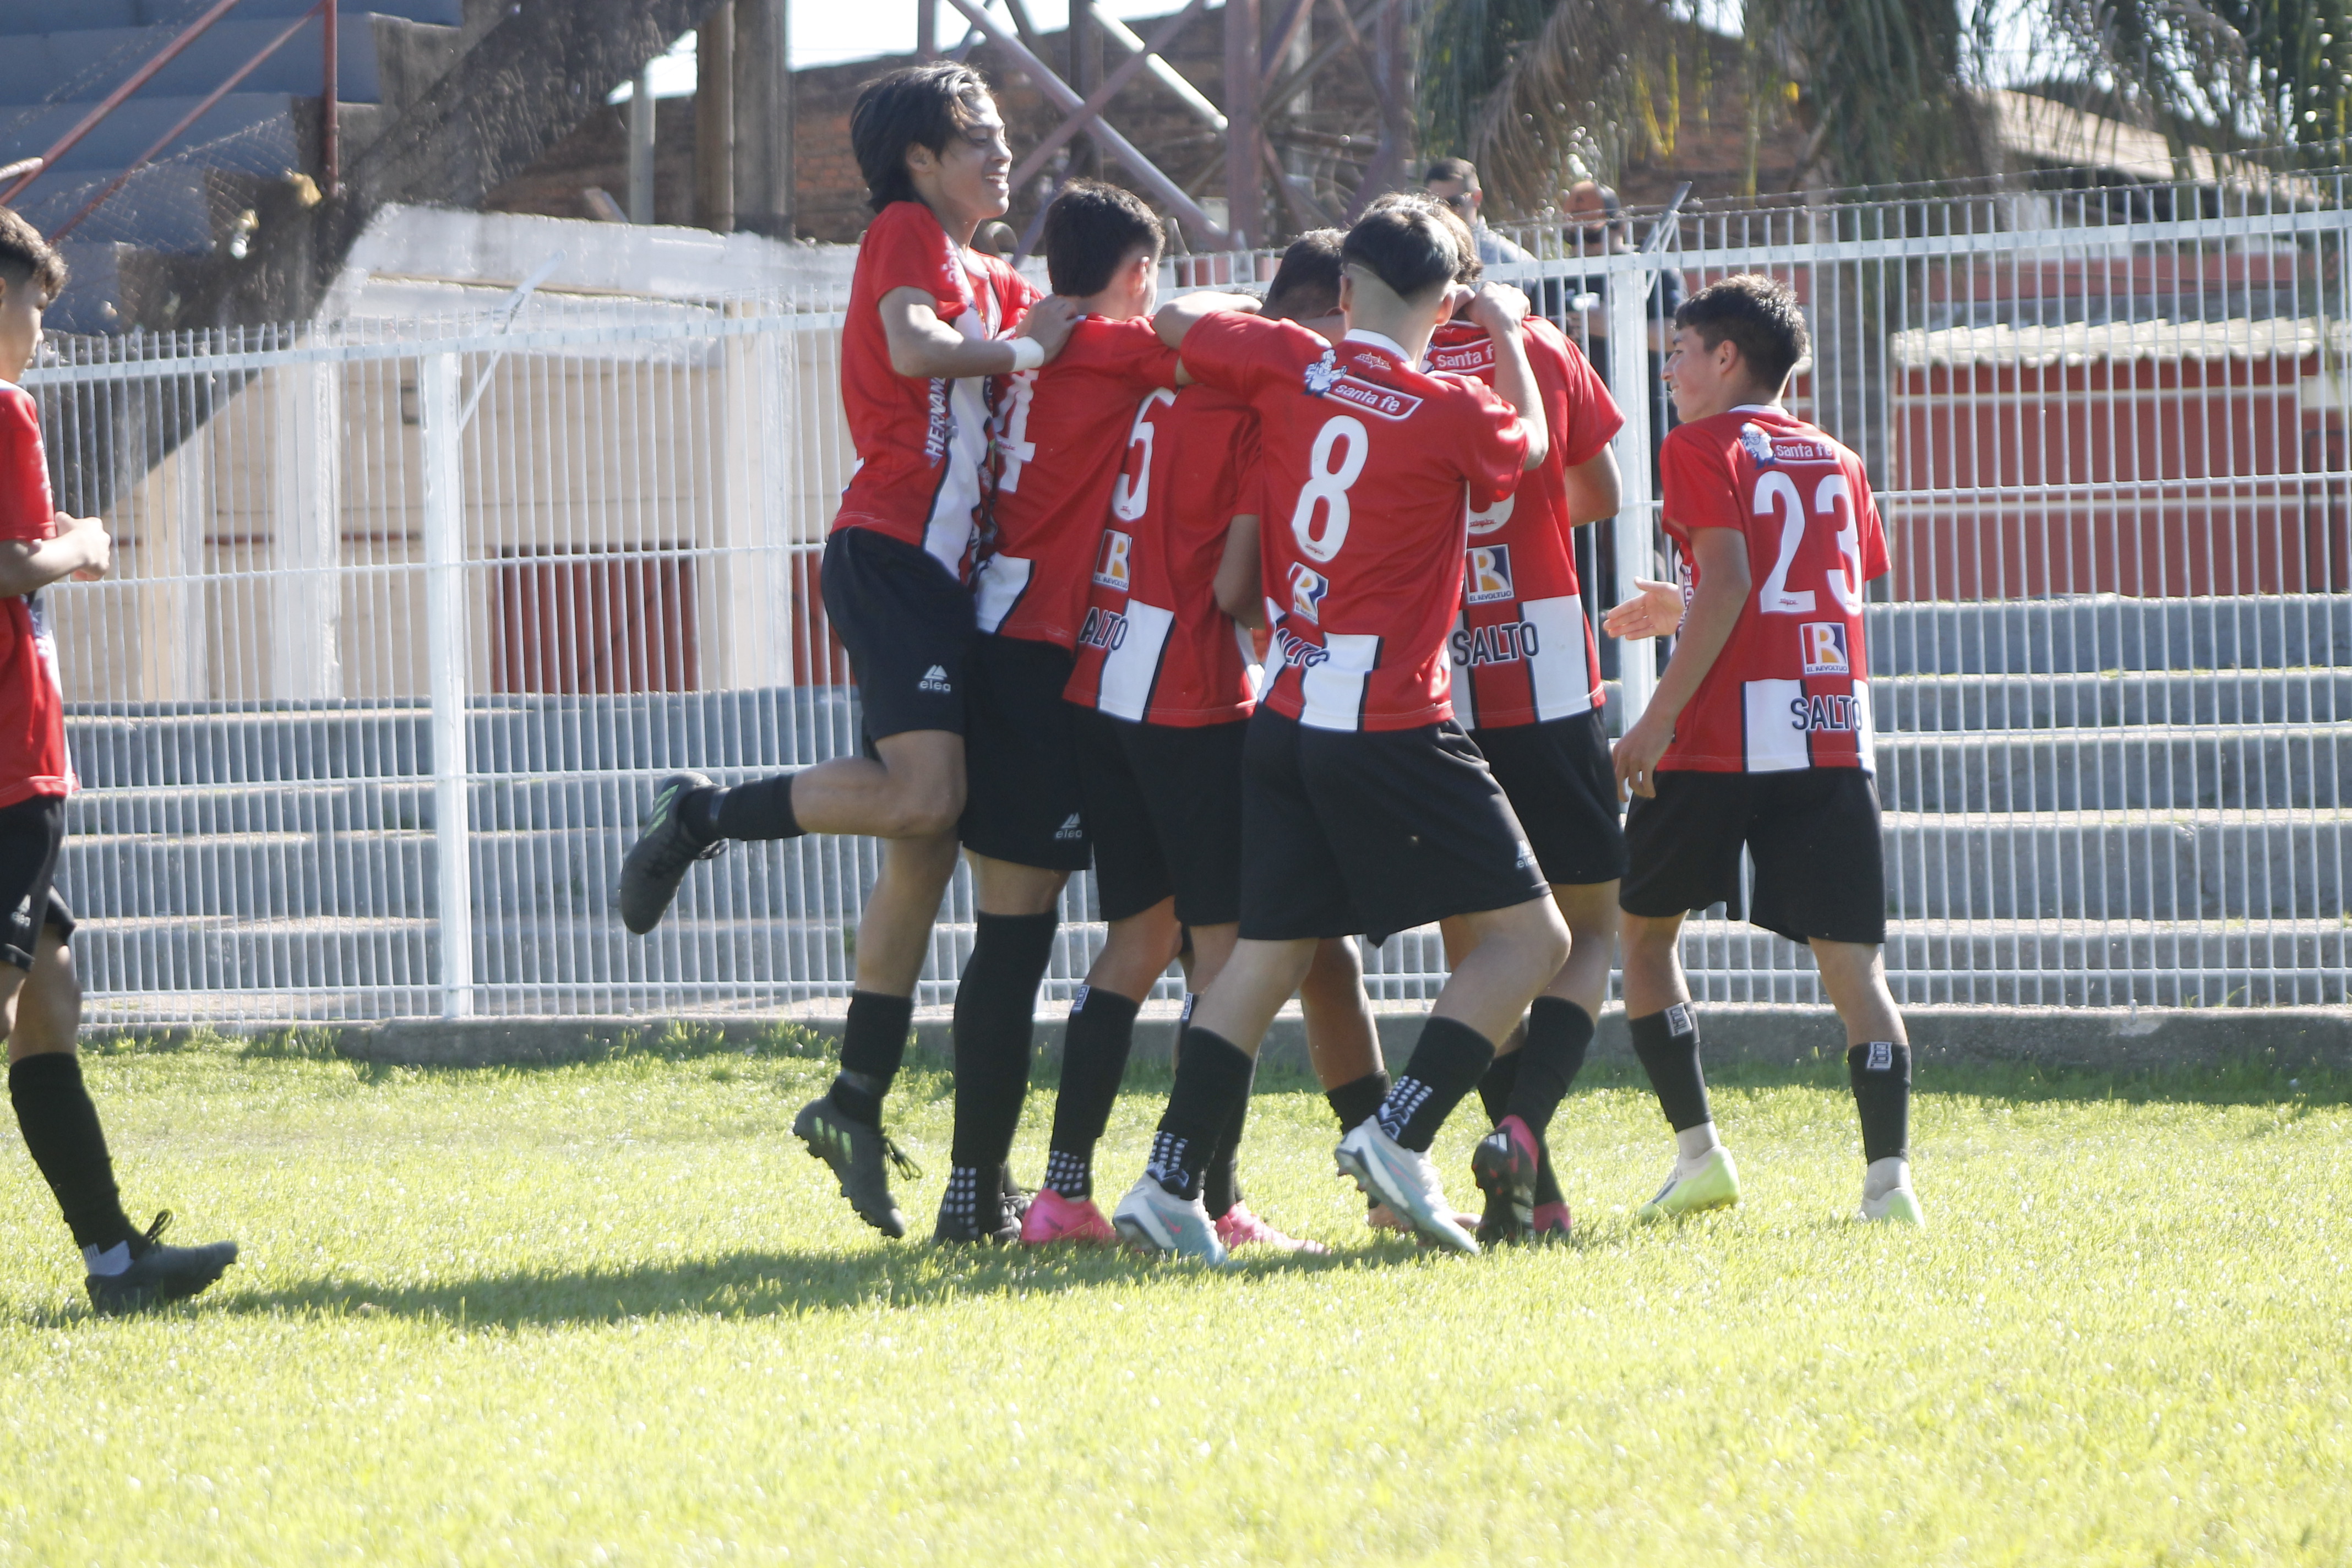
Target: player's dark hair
[(1405, 245), (921, 106), (1758, 315), (1307, 284), (1472, 269), (1090, 231), (26, 257)]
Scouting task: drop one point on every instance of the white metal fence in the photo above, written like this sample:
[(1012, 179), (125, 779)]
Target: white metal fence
[(407, 619)]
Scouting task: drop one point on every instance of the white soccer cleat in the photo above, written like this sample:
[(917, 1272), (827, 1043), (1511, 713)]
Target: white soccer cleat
[(1405, 1181), (1896, 1206), (1709, 1181), (1154, 1220)]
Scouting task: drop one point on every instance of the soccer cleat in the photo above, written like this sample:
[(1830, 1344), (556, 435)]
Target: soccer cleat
[(1052, 1217), (1504, 1164), (1013, 1198), (1549, 1223), (657, 862), (1405, 1181), (1239, 1227), (1152, 1219), (1896, 1206), (159, 1274), (1380, 1216), (1712, 1184), (855, 1151)]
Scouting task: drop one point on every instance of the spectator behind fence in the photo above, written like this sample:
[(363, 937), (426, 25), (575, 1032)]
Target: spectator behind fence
[(1454, 182)]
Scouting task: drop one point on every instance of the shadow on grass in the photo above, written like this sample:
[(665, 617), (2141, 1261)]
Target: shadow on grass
[(766, 1284)]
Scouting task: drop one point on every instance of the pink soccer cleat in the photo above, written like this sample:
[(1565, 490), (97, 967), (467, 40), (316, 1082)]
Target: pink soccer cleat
[(1551, 1223), (1239, 1227), (1052, 1217)]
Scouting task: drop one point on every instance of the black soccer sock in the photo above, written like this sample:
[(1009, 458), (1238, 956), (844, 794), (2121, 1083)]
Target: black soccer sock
[(873, 1044), (1212, 1081), (1095, 1047), (1494, 1086), (1668, 1044), (1356, 1100), (1881, 1073), (761, 809), (1221, 1185), (995, 1026), (966, 1186), (1446, 1063), (62, 1133), (1559, 1034)]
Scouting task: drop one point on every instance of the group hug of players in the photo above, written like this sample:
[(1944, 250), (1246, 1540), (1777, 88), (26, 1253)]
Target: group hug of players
[(1068, 514)]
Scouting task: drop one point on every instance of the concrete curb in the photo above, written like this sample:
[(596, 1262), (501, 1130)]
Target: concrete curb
[(2115, 1039)]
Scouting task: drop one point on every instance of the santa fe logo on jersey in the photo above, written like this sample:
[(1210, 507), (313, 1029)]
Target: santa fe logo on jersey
[(1824, 646), (1110, 566), (1489, 575), (1307, 587), (1757, 445)]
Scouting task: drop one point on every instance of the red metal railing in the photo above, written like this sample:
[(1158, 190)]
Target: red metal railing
[(328, 148)]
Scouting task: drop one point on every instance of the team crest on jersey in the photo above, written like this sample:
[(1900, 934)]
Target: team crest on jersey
[(1488, 577), (1110, 564), (1307, 587), (1824, 646), (1756, 444), (1322, 373)]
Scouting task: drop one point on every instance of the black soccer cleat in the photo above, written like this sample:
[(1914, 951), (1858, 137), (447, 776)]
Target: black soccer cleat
[(997, 1222), (1504, 1164), (159, 1274), (657, 862), (855, 1152)]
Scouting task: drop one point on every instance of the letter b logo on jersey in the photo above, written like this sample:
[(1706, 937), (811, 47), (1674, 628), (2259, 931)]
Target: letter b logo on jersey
[(1823, 644), (1307, 587), (1110, 566), (1488, 577)]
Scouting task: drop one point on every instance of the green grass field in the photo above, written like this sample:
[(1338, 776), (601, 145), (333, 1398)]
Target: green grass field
[(612, 1313)]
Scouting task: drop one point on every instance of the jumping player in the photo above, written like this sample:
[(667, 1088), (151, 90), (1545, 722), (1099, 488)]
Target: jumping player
[(40, 999), (925, 340), (1527, 685), (1365, 809), (1061, 435), (1759, 733)]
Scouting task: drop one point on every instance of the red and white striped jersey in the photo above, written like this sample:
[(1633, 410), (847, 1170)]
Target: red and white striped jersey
[(922, 446), (1791, 689), (1523, 650), (1364, 458), (1155, 647)]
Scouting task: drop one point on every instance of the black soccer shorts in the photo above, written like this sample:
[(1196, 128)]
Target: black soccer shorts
[(1348, 832), (32, 832), (1164, 810), (907, 624), (1821, 869), (1561, 786), (1023, 801)]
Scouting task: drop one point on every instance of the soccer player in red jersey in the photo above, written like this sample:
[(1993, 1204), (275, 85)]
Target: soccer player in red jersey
[(1759, 733), (1162, 687), (1062, 432), (931, 324), (40, 1000), (1366, 808), (1527, 685)]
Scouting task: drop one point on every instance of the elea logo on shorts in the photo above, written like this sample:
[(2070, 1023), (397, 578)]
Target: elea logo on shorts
[(1105, 629), (1824, 646), (1826, 712), (1489, 574), (1307, 587), (1110, 566)]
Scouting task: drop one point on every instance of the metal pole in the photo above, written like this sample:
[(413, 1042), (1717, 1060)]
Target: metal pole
[(927, 29), (641, 147), (330, 160), (444, 664), (1629, 377), (1243, 197)]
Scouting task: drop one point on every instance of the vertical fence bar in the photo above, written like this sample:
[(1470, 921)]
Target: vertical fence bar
[(445, 663), (1629, 374)]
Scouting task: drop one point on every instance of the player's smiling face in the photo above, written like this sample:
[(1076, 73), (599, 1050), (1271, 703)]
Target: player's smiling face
[(970, 179), (1705, 381), (20, 326)]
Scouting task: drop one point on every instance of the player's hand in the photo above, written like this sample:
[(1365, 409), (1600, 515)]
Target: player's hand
[(1459, 298), (97, 544), (1635, 755), (1049, 321), (1499, 308), (1656, 612)]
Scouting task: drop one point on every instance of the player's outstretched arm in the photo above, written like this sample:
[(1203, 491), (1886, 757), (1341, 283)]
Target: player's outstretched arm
[(1241, 587), (1595, 490), (1500, 308), (924, 347), (81, 548), (1722, 593), (1177, 318), (1655, 612)]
